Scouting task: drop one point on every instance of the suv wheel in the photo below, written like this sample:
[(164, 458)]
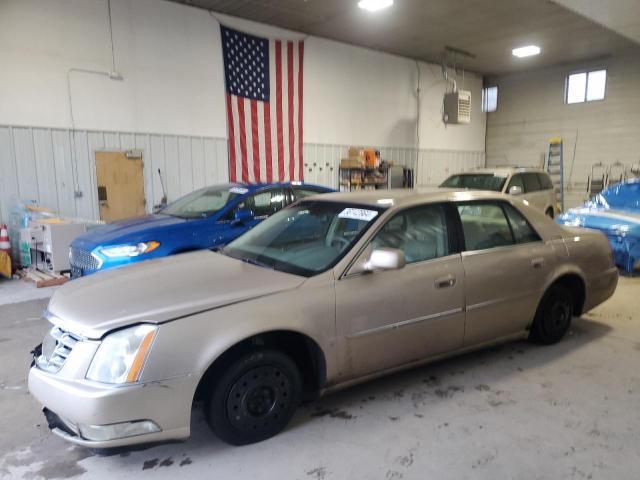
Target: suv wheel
[(254, 398), (554, 315)]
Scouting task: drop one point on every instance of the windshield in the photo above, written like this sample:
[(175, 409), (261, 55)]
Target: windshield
[(476, 181), (203, 202), (305, 239)]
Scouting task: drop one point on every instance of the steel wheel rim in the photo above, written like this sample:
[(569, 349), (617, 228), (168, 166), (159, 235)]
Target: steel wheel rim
[(559, 315), (259, 398)]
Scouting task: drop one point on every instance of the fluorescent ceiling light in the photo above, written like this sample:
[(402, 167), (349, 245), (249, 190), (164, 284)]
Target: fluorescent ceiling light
[(527, 51), (374, 5)]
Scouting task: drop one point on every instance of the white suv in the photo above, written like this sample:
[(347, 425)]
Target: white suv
[(534, 185)]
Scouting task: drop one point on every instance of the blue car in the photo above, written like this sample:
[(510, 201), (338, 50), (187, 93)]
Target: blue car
[(209, 217), (615, 212)]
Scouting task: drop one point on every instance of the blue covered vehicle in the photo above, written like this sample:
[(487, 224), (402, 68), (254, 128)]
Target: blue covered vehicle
[(615, 212), (206, 218)]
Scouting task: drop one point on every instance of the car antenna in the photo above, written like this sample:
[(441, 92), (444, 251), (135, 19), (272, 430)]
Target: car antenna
[(163, 202)]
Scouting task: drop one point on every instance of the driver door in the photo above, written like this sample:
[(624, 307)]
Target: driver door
[(389, 318)]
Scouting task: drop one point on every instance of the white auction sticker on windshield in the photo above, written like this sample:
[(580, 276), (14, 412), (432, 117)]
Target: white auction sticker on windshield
[(239, 190), (358, 214)]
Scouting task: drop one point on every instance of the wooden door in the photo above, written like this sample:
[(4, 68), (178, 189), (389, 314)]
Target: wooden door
[(120, 186)]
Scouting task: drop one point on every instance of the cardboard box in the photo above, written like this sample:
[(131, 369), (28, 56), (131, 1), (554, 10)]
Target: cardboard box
[(352, 162), (371, 160), (355, 152)]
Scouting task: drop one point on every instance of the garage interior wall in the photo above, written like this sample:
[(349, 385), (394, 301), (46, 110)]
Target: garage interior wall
[(170, 58), (531, 110)]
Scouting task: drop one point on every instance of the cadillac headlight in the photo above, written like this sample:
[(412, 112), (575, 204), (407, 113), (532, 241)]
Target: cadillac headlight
[(121, 355), (132, 250)]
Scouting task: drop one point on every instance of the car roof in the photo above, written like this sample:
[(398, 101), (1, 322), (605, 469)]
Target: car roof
[(407, 197), (252, 187), (501, 171)]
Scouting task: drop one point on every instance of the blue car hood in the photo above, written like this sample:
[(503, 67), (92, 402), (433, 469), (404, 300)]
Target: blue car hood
[(132, 230), (611, 221)]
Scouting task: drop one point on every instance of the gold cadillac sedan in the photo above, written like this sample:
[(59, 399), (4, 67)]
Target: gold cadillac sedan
[(332, 291)]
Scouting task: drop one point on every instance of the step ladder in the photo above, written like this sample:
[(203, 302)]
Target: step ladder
[(555, 168), (597, 180)]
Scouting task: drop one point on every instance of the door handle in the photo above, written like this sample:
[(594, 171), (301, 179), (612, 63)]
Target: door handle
[(537, 262), (444, 282)]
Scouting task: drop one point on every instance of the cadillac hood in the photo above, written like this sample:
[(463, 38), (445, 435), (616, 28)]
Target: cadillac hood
[(159, 290)]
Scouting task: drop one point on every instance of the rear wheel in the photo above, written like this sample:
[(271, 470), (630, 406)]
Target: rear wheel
[(554, 315), (549, 213), (254, 398)]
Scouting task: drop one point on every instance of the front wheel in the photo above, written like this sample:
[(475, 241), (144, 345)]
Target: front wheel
[(254, 398), (553, 317)]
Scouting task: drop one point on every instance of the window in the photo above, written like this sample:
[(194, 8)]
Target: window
[(484, 226), (304, 239), (489, 99), (201, 203), (475, 181), (263, 204), (531, 182), (516, 181), (522, 231), (585, 86), (421, 233), (545, 181), (299, 193)]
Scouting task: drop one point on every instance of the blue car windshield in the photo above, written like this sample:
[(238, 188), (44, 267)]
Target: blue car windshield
[(305, 239), (476, 181), (203, 202)]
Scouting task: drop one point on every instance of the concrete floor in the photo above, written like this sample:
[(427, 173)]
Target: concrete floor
[(519, 411)]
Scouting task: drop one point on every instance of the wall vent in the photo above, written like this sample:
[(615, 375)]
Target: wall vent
[(457, 107)]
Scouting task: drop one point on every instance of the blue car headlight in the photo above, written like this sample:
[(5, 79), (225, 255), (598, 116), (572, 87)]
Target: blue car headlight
[(129, 250)]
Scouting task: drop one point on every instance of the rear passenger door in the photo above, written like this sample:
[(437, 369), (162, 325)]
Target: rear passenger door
[(505, 263)]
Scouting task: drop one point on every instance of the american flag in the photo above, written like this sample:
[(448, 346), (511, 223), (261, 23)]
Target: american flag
[(263, 83)]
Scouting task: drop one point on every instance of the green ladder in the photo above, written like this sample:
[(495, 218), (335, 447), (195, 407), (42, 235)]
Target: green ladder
[(555, 169)]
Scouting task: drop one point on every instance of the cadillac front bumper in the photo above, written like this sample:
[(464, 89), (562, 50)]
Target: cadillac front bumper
[(104, 416)]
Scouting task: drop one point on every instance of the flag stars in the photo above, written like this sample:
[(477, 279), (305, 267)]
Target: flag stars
[(246, 65)]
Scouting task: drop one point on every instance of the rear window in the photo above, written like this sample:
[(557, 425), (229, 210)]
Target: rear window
[(475, 181), (545, 181), (531, 182)]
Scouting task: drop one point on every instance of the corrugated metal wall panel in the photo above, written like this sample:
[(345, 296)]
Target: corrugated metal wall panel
[(26, 169), (430, 167), (436, 165), (49, 165)]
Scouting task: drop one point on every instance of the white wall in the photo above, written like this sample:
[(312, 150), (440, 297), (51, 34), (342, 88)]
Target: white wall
[(170, 57), (531, 109)]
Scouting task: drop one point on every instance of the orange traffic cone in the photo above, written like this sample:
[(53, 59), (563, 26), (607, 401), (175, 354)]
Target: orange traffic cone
[(5, 245)]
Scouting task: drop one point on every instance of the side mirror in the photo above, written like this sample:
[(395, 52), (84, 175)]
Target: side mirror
[(385, 259), (242, 215), (515, 190)]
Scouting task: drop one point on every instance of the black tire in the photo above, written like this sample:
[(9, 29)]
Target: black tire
[(254, 398), (549, 213), (553, 317)]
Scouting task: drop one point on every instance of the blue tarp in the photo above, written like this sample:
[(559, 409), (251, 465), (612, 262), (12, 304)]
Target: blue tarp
[(615, 212)]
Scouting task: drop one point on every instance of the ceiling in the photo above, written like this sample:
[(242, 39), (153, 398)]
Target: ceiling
[(420, 29)]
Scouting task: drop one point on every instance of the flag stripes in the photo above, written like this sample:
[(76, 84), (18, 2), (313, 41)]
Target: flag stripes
[(264, 126)]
